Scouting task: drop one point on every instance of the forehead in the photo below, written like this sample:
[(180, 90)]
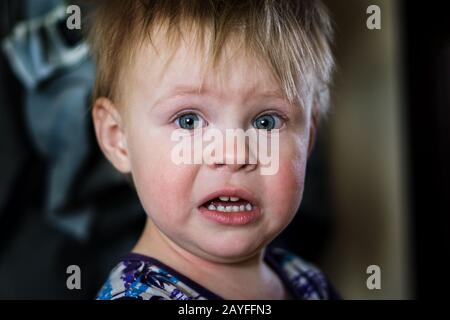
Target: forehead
[(164, 69)]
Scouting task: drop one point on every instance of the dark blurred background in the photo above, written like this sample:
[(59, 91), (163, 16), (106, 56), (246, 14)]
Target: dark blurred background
[(377, 184)]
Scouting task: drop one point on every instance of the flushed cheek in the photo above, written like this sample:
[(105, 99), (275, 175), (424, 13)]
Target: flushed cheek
[(284, 190), (163, 187), (292, 176)]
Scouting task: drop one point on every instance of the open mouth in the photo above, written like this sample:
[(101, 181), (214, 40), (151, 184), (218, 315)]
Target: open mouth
[(228, 204), (231, 206)]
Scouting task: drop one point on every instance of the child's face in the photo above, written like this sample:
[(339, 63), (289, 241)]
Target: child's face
[(172, 194)]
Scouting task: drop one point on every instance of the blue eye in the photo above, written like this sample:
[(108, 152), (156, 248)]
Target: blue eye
[(268, 122), (189, 121)]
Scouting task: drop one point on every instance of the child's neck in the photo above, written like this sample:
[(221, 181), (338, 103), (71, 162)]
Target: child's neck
[(249, 279)]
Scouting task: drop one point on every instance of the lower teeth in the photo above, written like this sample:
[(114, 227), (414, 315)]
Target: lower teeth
[(247, 207)]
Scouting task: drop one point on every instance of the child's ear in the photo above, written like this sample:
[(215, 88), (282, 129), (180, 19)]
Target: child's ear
[(108, 125), (312, 135)]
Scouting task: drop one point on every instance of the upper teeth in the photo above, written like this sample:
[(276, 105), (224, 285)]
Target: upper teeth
[(246, 206), (234, 199)]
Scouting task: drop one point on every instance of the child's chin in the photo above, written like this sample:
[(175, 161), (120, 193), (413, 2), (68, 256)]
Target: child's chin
[(232, 252)]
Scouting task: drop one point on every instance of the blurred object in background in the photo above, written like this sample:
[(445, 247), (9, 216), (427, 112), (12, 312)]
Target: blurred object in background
[(390, 150), (62, 202), (367, 155)]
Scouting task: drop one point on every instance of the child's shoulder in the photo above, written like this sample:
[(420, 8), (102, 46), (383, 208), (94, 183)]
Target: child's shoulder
[(304, 278), (141, 277), (145, 278)]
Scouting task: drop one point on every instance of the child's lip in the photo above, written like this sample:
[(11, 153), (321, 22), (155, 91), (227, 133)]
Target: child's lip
[(231, 192), (231, 218)]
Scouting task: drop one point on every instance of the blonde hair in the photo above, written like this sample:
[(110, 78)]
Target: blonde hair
[(292, 37)]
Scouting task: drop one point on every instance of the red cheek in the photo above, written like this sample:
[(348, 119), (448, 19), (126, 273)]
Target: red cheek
[(290, 178)]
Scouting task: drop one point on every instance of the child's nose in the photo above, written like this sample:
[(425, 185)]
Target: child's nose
[(234, 148), (232, 167), (234, 161)]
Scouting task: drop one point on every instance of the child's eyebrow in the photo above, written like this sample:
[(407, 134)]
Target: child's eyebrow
[(190, 90)]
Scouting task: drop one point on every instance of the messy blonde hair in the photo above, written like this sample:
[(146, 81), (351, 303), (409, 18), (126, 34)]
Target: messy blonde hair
[(292, 37)]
